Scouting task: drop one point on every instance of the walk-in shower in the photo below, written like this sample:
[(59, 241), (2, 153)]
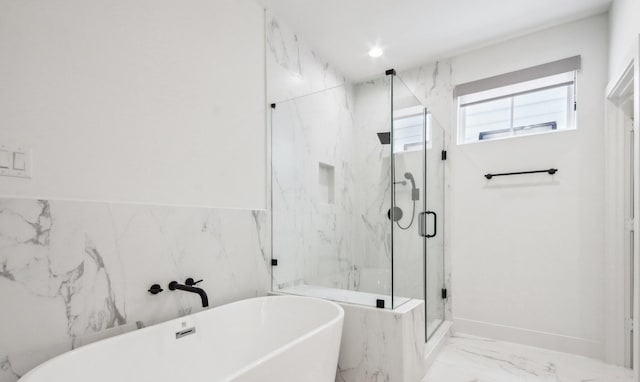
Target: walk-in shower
[(357, 182)]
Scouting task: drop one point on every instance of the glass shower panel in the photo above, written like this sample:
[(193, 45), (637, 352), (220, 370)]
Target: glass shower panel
[(329, 182), (409, 141)]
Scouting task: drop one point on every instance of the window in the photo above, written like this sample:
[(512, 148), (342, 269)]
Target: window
[(539, 105), (408, 129)]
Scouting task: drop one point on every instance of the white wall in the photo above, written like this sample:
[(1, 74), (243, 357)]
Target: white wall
[(527, 252), (624, 28), (151, 101)]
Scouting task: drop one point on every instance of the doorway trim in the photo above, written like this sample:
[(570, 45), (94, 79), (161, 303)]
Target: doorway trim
[(618, 260)]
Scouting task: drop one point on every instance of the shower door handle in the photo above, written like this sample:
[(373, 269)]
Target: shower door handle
[(435, 224), (422, 224)]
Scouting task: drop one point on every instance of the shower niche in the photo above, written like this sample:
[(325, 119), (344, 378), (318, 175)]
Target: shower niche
[(358, 198), (326, 183)]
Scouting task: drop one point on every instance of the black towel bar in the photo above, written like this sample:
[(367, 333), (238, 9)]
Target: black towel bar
[(550, 171)]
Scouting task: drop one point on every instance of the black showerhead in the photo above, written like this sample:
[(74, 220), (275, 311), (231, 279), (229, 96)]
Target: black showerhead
[(385, 138)]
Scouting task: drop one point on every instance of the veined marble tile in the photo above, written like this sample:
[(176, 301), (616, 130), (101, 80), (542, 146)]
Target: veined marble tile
[(74, 272), (314, 238), (382, 345), (468, 358), (293, 69)]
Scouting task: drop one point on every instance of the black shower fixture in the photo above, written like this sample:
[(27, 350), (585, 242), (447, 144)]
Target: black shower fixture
[(397, 214), (385, 138)]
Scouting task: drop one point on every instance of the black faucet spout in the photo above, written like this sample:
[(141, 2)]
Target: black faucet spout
[(188, 288)]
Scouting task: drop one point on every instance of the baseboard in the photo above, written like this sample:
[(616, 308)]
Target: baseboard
[(551, 341)]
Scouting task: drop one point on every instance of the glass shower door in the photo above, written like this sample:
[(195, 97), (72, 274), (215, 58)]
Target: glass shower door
[(435, 291), (417, 184)]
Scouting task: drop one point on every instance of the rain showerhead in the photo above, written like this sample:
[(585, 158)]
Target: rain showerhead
[(385, 138)]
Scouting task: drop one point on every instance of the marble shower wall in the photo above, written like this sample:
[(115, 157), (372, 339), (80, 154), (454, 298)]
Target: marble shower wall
[(373, 164), (315, 219), (343, 243), (293, 68), (75, 272), (311, 130)]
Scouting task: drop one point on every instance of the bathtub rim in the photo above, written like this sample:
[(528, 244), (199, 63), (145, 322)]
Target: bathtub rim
[(288, 345), (292, 343)]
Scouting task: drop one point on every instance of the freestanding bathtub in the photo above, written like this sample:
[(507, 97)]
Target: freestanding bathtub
[(266, 339)]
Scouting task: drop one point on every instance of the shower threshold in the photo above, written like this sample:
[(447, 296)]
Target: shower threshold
[(343, 295)]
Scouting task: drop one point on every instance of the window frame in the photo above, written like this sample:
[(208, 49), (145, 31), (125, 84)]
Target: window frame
[(411, 112), (546, 83)]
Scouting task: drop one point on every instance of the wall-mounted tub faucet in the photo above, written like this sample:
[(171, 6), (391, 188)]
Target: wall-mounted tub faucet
[(189, 286)]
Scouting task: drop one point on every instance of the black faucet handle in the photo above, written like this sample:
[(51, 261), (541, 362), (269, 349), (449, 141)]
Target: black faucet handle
[(155, 289), (191, 282)]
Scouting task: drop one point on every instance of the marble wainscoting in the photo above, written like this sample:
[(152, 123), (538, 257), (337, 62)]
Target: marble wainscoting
[(381, 344), (75, 272)]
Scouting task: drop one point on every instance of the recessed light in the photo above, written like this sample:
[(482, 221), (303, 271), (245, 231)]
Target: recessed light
[(374, 52)]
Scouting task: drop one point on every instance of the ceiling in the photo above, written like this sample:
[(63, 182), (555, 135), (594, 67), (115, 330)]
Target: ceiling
[(413, 32)]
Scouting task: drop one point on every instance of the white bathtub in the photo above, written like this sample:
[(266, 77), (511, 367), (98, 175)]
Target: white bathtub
[(283, 338)]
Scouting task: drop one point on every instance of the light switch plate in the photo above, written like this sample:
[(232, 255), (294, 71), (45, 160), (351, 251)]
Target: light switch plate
[(18, 161), (4, 159)]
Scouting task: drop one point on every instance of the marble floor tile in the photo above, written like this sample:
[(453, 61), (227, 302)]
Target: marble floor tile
[(475, 359)]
